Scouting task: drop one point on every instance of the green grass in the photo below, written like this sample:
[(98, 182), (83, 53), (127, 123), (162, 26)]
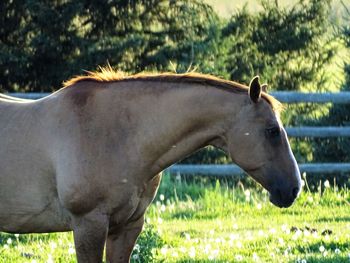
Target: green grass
[(209, 221)]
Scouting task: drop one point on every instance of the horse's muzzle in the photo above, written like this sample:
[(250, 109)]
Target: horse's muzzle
[(284, 197)]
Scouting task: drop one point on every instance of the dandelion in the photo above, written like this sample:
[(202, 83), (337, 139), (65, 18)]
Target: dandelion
[(247, 195), (9, 241), (207, 248), (322, 249), (302, 183), (233, 236), (239, 257), (325, 254), (53, 245), (192, 252), (281, 241), (164, 250), (161, 197), (17, 235), (259, 206), (239, 244), (303, 261), (255, 257), (337, 251), (50, 259), (6, 246), (159, 220), (71, 251), (326, 184), (273, 231), (137, 247), (162, 208), (310, 199), (135, 256), (214, 254)]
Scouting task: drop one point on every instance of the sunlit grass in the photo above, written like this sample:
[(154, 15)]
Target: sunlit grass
[(213, 222)]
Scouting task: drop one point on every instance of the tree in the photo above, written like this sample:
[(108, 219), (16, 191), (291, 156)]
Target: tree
[(44, 42)]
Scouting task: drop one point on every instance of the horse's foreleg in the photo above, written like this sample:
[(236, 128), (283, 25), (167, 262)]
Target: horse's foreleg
[(120, 244), (90, 232)]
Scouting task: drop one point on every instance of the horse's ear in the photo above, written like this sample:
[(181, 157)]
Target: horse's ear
[(264, 87), (255, 89)]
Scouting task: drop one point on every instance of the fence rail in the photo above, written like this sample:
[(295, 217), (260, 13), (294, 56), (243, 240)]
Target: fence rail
[(286, 97), (231, 169)]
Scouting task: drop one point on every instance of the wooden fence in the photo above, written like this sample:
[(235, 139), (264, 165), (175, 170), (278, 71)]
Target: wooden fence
[(285, 97)]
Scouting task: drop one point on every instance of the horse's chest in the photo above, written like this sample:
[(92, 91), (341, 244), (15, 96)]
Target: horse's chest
[(137, 203)]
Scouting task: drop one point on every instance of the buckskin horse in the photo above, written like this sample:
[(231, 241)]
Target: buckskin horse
[(88, 157)]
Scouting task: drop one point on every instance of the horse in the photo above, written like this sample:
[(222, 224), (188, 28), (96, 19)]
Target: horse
[(88, 157)]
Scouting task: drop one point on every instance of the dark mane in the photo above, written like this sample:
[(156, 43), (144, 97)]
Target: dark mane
[(107, 74)]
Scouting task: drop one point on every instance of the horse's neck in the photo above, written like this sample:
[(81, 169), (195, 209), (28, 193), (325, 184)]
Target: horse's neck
[(181, 120)]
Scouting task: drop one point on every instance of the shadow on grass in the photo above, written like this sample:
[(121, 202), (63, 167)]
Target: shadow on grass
[(335, 259), (6, 238), (330, 245), (337, 219)]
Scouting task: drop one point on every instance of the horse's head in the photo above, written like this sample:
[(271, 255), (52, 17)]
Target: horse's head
[(258, 143)]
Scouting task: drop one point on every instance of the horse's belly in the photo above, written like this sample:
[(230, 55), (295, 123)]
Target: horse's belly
[(49, 217)]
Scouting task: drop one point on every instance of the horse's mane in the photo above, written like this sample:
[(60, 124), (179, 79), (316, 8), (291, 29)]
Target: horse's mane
[(107, 74)]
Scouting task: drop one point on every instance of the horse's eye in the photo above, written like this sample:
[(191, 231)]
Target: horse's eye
[(273, 132)]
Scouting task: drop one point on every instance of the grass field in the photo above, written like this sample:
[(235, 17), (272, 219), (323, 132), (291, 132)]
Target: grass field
[(215, 222)]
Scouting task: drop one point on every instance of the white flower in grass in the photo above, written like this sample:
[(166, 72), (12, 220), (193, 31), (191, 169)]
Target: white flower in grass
[(9, 241), (17, 235), (303, 261), (71, 251), (239, 257), (310, 199), (135, 256), (187, 236), (326, 184), (261, 233), (272, 231), (259, 206), (255, 257), (175, 254), (6, 246), (192, 252), (160, 220), (239, 244), (53, 245), (161, 197), (211, 232), (164, 251), (214, 254), (162, 208), (50, 259), (325, 253), (247, 195), (137, 247), (281, 241), (302, 183), (322, 249), (337, 251)]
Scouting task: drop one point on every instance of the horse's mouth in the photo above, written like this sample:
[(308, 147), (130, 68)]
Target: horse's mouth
[(281, 202)]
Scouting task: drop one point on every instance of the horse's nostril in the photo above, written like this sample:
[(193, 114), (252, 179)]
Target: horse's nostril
[(295, 192)]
